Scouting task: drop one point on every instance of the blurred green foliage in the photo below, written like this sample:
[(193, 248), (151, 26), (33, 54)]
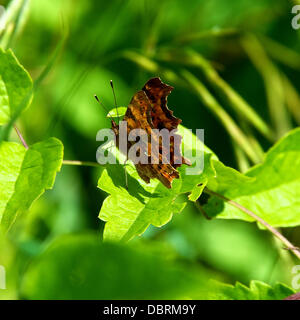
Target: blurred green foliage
[(83, 44)]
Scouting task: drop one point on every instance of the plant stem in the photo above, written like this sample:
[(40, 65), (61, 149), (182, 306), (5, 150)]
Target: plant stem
[(21, 137), (277, 234), (81, 163), (18, 23), (201, 210), (281, 53), (206, 34), (241, 157), (292, 98), (295, 296)]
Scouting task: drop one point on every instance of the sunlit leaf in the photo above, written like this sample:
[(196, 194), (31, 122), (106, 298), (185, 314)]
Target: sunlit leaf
[(256, 291), (117, 112), (25, 174), (271, 189), (15, 86), (129, 212)]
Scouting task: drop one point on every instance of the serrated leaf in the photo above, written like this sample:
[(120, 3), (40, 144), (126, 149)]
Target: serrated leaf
[(128, 213), (4, 103), (81, 267), (25, 174), (15, 86), (271, 189), (256, 291), (117, 112)]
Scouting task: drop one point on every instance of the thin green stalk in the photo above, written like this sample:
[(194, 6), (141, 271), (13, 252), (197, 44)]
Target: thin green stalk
[(252, 139), (151, 66), (52, 60), (21, 137), (241, 158), (81, 163), (9, 19), (25, 102), (273, 84), (18, 23), (201, 210), (275, 232), (151, 26), (281, 53), (212, 104), (292, 98), (215, 32), (65, 162), (234, 100), (60, 105)]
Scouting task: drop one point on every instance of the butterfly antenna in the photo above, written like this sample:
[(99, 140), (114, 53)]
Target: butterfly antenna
[(103, 106), (113, 90)]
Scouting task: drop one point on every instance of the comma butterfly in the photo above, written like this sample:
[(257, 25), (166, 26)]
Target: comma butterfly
[(148, 110)]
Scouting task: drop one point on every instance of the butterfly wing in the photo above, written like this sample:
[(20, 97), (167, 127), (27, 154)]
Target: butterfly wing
[(162, 117), (157, 92), (138, 116)]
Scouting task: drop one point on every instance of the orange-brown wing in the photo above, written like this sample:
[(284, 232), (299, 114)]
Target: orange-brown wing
[(162, 117), (157, 92), (165, 173), (138, 116)]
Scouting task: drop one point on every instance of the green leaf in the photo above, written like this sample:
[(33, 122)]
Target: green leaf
[(128, 213), (271, 189), (25, 174), (256, 291), (117, 112), (15, 86), (81, 267), (4, 103)]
